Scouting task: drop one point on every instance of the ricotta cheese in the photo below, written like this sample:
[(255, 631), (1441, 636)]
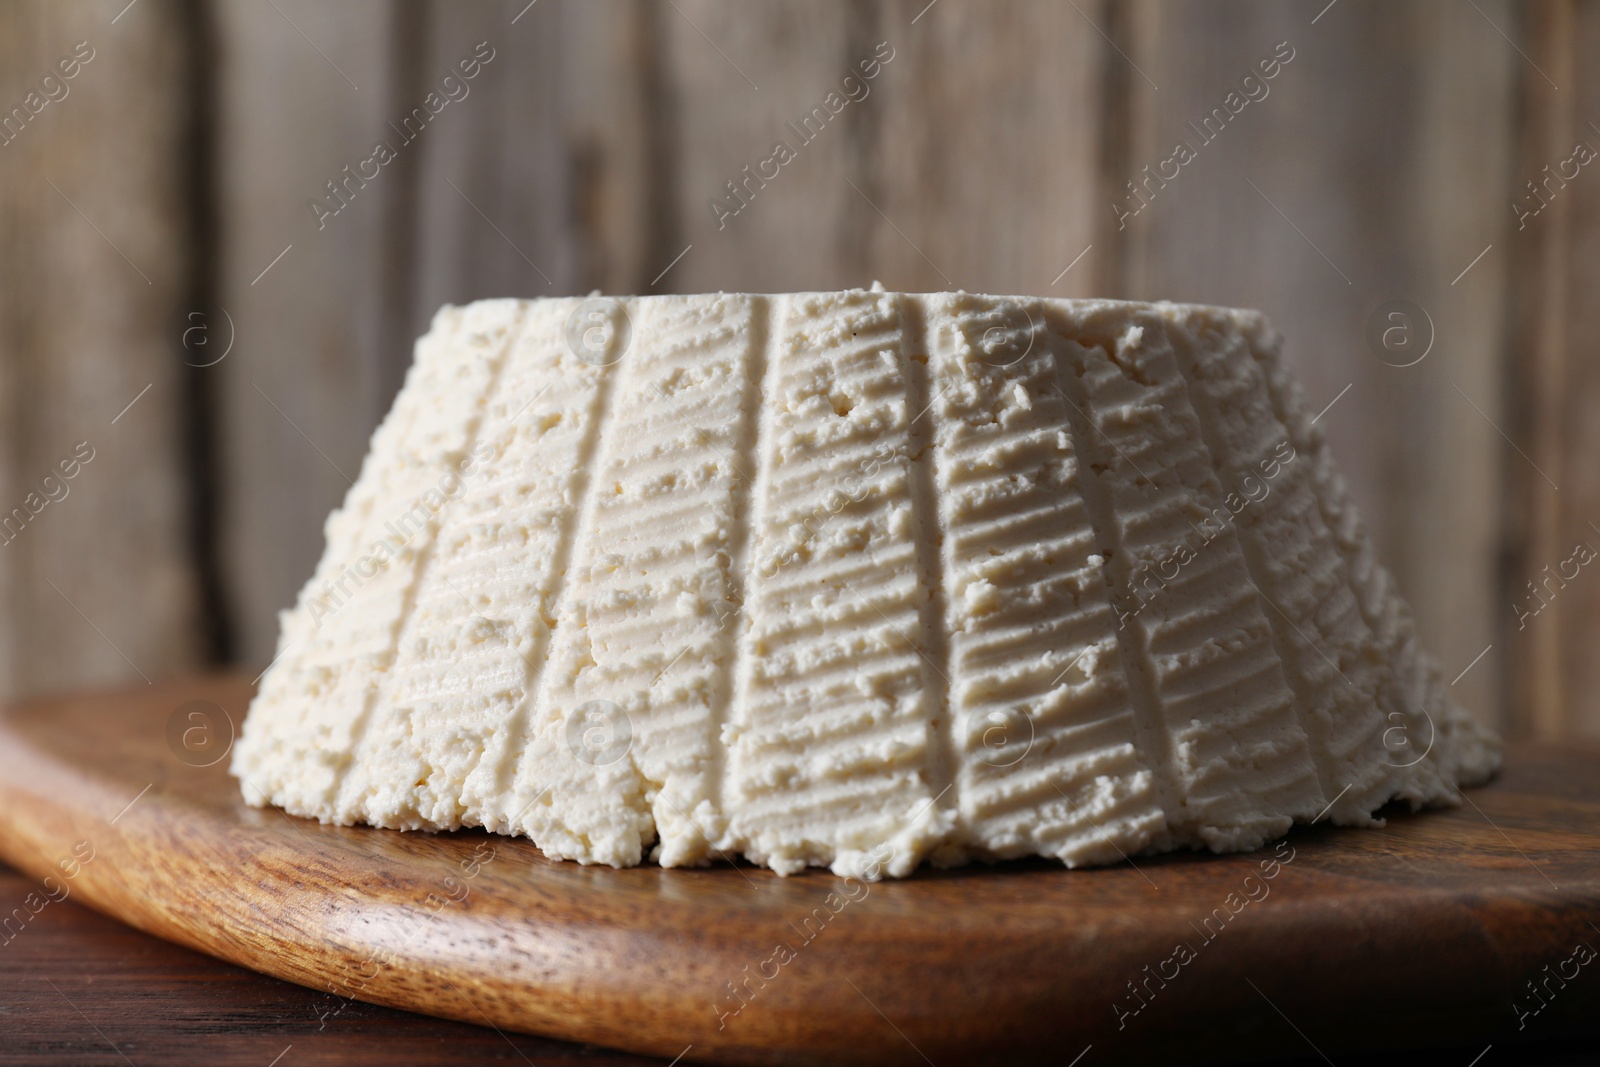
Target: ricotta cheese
[(855, 580)]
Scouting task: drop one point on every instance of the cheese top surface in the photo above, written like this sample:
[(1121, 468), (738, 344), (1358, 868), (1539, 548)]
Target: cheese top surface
[(854, 579)]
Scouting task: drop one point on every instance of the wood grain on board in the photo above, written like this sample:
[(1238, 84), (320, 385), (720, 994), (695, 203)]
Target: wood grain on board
[(81, 988), (162, 1003), (1440, 918)]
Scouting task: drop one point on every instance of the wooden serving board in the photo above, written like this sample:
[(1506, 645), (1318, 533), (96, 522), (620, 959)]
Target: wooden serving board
[(1423, 932)]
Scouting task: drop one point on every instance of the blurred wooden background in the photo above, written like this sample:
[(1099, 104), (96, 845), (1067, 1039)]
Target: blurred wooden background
[(173, 179)]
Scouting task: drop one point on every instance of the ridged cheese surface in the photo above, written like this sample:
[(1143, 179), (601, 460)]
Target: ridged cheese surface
[(854, 580)]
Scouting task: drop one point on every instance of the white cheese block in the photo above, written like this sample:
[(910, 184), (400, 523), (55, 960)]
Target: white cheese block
[(855, 580)]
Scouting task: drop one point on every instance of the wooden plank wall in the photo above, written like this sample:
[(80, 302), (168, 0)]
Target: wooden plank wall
[(1356, 179), (1552, 374), (990, 151), (101, 584)]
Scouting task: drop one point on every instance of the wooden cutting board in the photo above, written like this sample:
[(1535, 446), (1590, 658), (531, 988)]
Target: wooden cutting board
[(1425, 932)]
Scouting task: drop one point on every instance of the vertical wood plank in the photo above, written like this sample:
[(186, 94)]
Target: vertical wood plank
[(987, 149), (493, 195), (542, 181), (1555, 240), (97, 585), (1370, 171), (950, 172), (736, 80), (534, 177), (620, 124), (304, 92)]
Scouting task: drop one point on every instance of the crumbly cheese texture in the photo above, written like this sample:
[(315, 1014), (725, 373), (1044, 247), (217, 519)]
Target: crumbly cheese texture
[(854, 580)]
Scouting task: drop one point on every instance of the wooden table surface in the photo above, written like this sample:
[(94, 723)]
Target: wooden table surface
[(1421, 932), (79, 988)]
